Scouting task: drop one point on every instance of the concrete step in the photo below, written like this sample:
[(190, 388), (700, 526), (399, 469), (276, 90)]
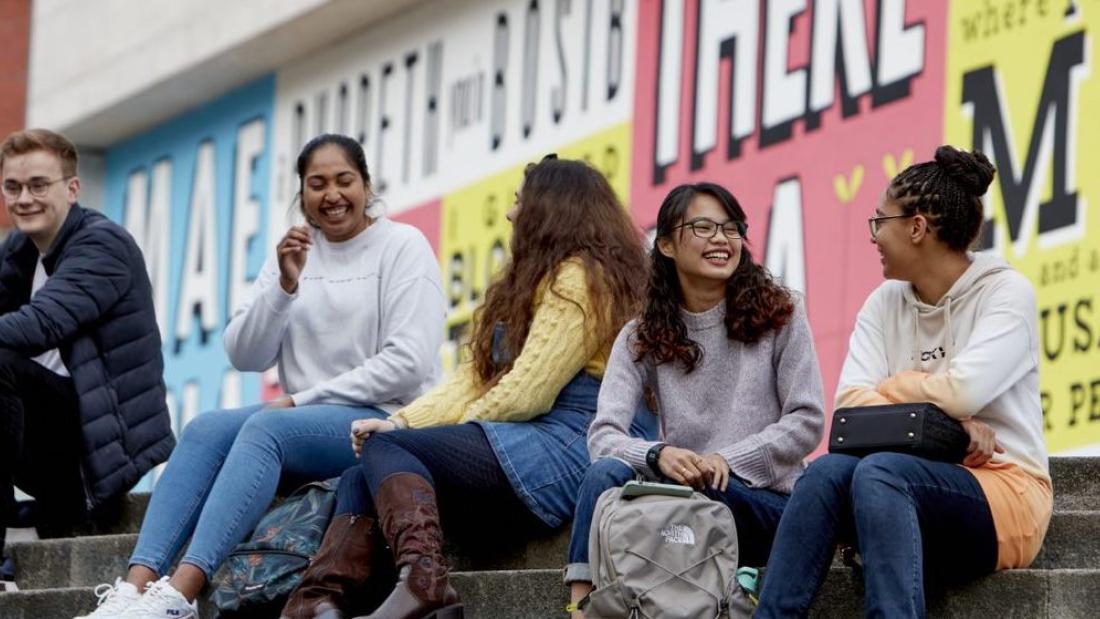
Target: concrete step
[(1076, 487), (1073, 541), (1076, 483), (538, 594)]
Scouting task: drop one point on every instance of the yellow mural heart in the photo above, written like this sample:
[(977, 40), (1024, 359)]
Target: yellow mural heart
[(848, 186), (892, 166)]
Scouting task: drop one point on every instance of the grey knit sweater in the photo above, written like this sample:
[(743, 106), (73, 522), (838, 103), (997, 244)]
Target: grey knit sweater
[(759, 406)]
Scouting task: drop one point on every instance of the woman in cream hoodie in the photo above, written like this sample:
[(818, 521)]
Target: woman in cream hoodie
[(949, 327)]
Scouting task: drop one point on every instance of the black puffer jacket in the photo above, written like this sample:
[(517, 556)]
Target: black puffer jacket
[(97, 310)]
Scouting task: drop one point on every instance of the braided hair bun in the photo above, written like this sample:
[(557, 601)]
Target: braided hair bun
[(971, 170)]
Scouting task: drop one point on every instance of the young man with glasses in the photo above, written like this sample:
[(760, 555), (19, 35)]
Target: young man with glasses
[(82, 400)]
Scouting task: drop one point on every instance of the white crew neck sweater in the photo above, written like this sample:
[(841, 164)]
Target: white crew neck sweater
[(364, 326)]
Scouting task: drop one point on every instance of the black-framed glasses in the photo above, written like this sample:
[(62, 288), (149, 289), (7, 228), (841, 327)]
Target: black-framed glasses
[(37, 186), (873, 222), (704, 228)]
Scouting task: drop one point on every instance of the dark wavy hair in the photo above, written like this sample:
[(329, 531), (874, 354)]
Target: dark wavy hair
[(948, 192), (755, 303), (567, 210)]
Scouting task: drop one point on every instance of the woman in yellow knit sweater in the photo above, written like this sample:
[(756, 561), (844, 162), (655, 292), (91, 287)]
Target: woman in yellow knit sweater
[(501, 445)]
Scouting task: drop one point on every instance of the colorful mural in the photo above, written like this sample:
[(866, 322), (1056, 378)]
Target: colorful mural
[(804, 108), (194, 193)]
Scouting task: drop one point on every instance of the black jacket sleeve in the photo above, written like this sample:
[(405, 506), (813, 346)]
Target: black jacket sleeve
[(91, 276)]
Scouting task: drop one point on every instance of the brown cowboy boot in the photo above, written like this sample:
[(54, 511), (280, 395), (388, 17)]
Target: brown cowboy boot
[(409, 517), (342, 564)]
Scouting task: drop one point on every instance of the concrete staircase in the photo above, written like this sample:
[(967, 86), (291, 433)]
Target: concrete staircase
[(56, 576)]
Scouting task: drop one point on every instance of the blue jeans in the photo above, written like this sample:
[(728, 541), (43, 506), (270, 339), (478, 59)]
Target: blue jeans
[(908, 517), (225, 471), (755, 511)]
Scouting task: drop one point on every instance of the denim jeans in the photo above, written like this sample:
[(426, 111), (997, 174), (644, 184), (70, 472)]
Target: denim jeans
[(910, 518), (755, 511), (225, 471)]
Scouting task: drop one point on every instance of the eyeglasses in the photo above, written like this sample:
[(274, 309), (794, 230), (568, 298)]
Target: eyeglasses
[(873, 222), (37, 186), (707, 229)]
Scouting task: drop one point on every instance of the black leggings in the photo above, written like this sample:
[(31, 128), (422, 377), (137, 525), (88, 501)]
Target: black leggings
[(473, 493)]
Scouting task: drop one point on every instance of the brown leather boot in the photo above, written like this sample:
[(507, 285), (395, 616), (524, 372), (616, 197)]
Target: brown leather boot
[(342, 564), (409, 517)]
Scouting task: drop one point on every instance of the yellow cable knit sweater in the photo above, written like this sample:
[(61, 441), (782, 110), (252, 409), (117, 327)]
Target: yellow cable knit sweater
[(560, 343)]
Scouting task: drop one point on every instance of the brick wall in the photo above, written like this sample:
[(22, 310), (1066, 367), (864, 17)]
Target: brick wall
[(15, 19)]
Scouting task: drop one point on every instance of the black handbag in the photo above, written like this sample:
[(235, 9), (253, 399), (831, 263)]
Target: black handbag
[(921, 429)]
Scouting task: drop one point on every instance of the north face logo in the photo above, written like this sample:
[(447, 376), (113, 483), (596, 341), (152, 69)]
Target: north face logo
[(678, 534)]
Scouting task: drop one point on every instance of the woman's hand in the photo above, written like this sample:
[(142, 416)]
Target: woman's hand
[(361, 429), (292, 250), (283, 402), (720, 476), (684, 466), (983, 443)]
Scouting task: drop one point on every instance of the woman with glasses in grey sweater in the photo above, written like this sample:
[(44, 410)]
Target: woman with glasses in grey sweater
[(727, 353)]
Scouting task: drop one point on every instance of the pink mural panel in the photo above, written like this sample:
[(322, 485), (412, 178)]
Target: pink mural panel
[(805, 123)]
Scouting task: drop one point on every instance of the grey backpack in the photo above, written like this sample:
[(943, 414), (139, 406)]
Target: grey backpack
[(655, 556)]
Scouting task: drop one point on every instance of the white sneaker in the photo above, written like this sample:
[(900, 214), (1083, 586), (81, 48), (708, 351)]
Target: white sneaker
[(162, 601), (113, 600)]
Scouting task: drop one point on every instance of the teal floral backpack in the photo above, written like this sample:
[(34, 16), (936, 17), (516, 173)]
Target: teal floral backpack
[(262, 571)]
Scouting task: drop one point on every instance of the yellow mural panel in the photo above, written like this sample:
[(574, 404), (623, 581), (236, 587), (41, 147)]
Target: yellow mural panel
[(474, 232), (1021, 86)]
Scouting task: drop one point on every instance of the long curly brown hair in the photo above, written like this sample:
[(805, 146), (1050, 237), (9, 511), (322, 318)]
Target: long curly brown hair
[(755, 303), (567, 210)]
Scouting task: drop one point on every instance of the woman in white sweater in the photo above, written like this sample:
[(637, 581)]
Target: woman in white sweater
[(956, 329), (351, 310)]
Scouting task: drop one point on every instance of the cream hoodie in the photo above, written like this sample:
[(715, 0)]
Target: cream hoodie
[(974, 354)]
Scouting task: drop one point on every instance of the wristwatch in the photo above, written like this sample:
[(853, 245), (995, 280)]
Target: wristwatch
[(651, 457)]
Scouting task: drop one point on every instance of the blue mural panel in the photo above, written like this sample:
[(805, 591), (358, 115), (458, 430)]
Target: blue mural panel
[(194, 193)]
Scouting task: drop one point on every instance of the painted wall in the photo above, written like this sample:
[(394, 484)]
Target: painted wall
[(804, 108), (193, 192)]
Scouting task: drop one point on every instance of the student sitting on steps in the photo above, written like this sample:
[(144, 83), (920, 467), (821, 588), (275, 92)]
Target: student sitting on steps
[(729, 354), (498, 449), (351, 310), (955, 329)]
